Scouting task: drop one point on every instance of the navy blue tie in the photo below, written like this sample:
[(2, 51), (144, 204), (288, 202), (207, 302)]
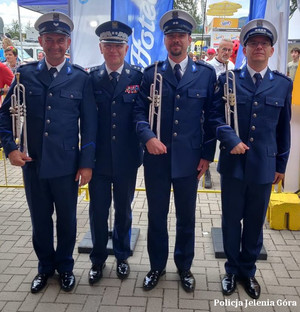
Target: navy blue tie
[(177, 72), (52, 71), (258, 79), (114, 80)]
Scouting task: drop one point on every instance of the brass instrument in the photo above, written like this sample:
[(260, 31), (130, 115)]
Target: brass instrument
[(230, 100), (155, 98), (18, 114)]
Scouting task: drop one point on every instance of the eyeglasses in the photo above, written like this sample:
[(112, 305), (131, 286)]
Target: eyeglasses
[(255, 44), (110, 46), (226, 50)]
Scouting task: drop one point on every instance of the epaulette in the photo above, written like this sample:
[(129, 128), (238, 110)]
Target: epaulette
[(79, 67), (281, 74), (235, 70), (152, 65), (137, 68), (29, 63), (200, 62), (94, 68)]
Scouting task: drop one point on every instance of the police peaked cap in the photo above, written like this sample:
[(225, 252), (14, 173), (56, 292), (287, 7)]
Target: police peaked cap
[(54, 22), (258, 27), (113, 32), (177, 21)]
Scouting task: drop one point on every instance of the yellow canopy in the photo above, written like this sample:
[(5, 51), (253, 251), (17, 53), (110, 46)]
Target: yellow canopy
[(224, 8), (200, 42)]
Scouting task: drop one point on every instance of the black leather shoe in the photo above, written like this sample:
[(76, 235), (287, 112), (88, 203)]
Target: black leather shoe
[(152, 278), (123, 269), (252, 287), (39, 282), (67, 281), (187, 280), (95, 273), (228, 284)]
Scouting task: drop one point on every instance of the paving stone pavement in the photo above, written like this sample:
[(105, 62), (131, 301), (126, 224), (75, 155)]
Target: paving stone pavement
[(279, 275)]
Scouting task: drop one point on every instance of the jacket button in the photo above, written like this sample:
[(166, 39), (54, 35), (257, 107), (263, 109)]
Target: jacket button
[(50, 94), (46, 134), (254, 115), (253, 128), (113, 138), (255, 103), (114, 114), (113, 102), (71, 96), (251, 139), (114, 126), (49, 107), (175, 134), (176, 122), (178, 96), (177, 109), (48, 121)]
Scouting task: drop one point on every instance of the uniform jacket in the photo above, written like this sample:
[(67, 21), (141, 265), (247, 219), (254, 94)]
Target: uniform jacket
[(118, 150), (54, 111), (183, 110), (264, 125)]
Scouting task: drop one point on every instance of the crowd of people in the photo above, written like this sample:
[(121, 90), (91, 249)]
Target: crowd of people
[(116, 135)]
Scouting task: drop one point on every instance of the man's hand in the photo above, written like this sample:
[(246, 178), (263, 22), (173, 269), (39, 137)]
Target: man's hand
[(156, 147), (202, 167), (18, 158), (278, 177), (84, 176), (241, 148)]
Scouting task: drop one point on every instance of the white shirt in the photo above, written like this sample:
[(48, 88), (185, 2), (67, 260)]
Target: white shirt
[(183, 65), (219, 66), (58, 67), (252, 72), (119, 70)]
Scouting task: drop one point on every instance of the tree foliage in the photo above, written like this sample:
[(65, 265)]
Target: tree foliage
[(191, 7), (293, 7), (14, 29)]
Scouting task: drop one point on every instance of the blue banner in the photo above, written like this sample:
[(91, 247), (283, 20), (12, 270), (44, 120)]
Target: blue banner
[(257, 9), (146, 44)]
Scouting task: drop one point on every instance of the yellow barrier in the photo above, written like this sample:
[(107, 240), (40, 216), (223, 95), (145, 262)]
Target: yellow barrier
[(284, 211)]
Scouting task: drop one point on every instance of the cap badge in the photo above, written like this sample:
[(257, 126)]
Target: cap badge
[(55, 17), (174, 14), (114, 25), (259, 23)]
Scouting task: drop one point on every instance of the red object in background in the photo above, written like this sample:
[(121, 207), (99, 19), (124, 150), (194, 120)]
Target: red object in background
[(236, 44)]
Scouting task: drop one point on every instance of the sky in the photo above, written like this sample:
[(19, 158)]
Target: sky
[(9, 11)]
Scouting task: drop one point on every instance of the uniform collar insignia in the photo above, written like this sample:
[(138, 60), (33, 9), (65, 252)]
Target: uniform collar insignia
[(69, 70), (40, 66), (194, 68), (271, 76), (164, 66)]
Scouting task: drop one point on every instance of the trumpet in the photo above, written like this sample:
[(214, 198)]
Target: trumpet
[(19, 114), (230, 100), (155, 98)]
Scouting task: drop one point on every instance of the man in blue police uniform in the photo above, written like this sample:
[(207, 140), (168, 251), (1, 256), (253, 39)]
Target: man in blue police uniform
[(251, 162), (178, 154), (118, 152), (58, 97)]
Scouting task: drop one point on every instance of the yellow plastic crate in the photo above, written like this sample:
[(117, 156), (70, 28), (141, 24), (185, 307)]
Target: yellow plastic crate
[(284, 211)]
